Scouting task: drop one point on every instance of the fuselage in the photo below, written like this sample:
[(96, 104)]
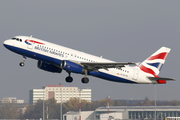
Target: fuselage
[(54, 54)]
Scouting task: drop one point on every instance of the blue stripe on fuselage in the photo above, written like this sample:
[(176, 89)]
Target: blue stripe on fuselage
[(34, 55), (52, 60)]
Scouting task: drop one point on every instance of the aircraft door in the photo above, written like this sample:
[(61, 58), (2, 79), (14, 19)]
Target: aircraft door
[(30, 45), (135, 75)]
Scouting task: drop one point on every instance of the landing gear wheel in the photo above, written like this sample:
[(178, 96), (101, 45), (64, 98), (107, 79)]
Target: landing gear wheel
[(69, 79), (85, 80), (21, 64)]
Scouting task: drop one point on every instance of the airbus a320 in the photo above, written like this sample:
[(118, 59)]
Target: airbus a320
[(55, 58)]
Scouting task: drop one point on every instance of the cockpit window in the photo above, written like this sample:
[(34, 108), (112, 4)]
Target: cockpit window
[(17, 39)]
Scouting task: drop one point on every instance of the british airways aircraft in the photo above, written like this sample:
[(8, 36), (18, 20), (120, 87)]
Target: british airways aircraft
[(55, 58)]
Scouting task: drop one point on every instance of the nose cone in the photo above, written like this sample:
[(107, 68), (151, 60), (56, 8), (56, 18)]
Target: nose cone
[(7, 43)]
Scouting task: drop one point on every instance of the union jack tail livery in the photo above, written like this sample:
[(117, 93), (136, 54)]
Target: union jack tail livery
[(154, 63)]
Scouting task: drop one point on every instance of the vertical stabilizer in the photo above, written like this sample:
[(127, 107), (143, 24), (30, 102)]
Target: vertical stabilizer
[(154, 63)]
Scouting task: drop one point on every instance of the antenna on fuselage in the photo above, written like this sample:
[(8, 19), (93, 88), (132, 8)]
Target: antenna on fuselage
[(29, 38)]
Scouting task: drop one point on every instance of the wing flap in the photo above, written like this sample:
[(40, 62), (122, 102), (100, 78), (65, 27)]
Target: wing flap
[(97, 66)]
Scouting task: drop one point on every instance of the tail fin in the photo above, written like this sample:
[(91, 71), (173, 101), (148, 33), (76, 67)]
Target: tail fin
[(154, 63)]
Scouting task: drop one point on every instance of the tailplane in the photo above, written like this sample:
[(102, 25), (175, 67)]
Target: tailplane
[(155, 62)]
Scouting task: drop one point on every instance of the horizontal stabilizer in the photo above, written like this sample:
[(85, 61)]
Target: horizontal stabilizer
[(159, 78)]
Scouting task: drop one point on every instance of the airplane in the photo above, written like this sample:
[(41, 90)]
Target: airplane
[(55, 58)]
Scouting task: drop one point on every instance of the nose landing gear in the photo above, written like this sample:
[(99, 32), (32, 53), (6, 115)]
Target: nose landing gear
[(22, 63)]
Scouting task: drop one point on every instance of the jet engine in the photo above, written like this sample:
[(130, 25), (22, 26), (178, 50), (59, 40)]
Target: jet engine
[(72, 66), (48, 67)]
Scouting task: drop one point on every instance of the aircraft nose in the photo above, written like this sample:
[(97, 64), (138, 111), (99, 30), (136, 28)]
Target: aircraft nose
[(7, 43)]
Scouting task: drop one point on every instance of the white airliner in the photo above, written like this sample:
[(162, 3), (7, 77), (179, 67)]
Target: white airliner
[(55, 58)]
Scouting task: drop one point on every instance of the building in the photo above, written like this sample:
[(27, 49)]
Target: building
[(85, 115), (12, 100), (59, 92), (128, 113)]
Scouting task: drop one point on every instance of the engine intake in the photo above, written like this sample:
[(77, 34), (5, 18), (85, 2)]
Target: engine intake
[(48, 67)]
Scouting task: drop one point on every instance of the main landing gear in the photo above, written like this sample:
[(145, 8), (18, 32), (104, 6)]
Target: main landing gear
[(22, 63), (85, 80), (69, 78)]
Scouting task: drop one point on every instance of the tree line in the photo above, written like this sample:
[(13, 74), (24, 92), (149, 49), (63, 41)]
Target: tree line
[(13, 111)]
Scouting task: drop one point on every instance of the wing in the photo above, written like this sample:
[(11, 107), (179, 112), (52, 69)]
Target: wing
[(97, 66)]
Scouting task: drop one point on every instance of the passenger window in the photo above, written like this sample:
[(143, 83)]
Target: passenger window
[(20, 40)]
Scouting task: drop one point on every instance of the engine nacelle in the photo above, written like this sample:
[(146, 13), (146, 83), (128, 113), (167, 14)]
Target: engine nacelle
[(72, 66), (48, 67)]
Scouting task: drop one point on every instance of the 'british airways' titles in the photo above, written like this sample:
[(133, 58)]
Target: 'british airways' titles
[(51, 51)]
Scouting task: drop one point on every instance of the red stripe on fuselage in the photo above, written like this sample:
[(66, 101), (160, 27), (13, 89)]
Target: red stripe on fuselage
[(35, 42)]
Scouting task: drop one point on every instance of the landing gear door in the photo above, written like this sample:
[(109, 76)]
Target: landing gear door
[(135, 75)]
